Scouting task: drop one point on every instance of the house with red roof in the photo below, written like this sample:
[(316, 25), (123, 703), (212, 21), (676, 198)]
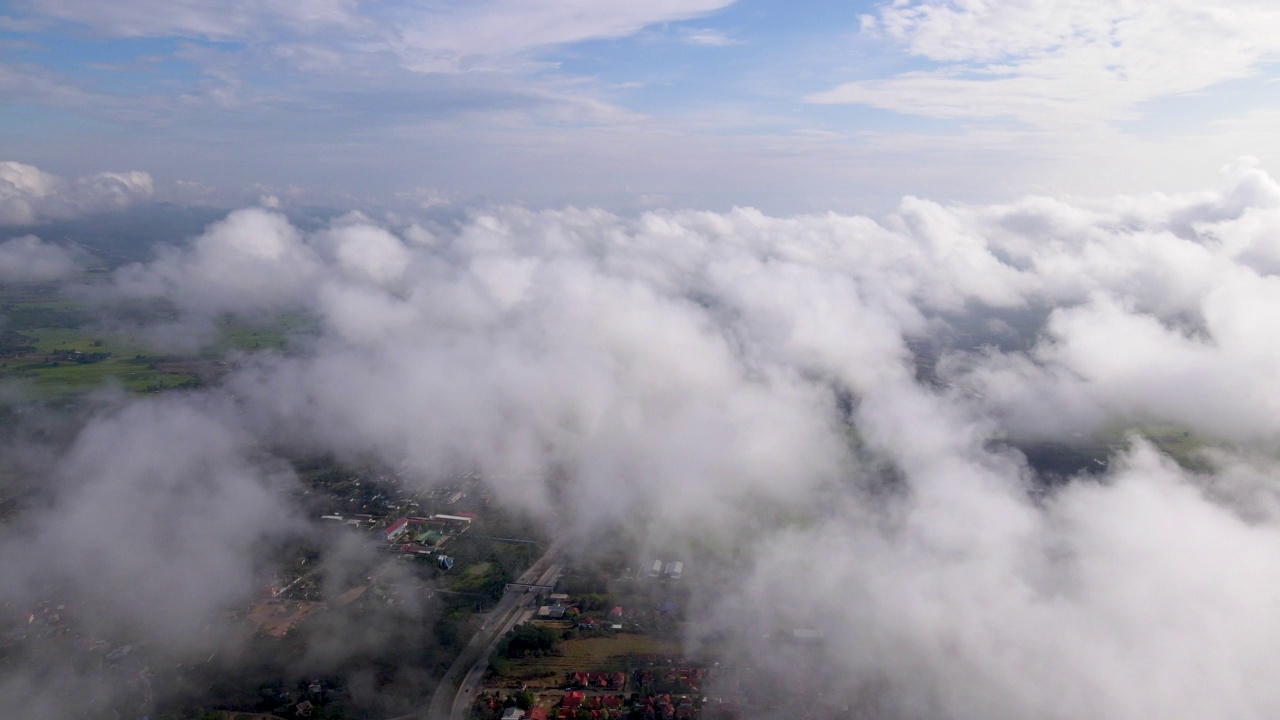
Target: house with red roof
[(396, 529)]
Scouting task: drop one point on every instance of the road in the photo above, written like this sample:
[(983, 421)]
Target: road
[(456, 691)]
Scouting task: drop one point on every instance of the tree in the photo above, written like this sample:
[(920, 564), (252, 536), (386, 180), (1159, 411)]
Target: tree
[(528, 639)]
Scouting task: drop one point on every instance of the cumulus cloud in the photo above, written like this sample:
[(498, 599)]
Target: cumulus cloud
[(29, 194), (1103, 604), (253, 259), (832, 402)]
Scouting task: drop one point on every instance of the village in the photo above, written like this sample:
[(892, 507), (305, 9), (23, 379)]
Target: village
[(603, 641), (607, 647), (414, 564)]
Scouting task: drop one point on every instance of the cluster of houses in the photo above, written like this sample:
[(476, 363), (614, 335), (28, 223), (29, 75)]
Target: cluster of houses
[(414, 536), (429, 531), (576, 704), (515, 713), (576, 700), (595, 680), (665, 707), (429, 534), (670, 679)]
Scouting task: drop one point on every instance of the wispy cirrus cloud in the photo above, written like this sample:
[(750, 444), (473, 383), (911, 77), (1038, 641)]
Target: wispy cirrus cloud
[(1053, 64), (438, 38), (708, 37), (216, 20)]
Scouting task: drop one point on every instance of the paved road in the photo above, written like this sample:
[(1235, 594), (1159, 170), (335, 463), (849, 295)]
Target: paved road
[(456, 691)]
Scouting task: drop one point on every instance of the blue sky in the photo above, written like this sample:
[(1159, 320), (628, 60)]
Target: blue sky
[(628, 104)]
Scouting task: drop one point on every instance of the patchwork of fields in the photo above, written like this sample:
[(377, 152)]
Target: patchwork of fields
[(54, 345)]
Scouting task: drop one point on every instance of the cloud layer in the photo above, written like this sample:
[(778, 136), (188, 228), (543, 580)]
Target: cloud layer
[(831, 397)]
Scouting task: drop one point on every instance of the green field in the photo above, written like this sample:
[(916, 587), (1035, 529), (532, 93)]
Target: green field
[(1179, 443), (1093, 453), (275, 333), (55, 346), (609, 654)]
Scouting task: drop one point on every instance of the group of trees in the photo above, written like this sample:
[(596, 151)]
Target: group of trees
[(528, 639)]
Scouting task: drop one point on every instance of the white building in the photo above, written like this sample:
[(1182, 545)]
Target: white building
[(396, 529)]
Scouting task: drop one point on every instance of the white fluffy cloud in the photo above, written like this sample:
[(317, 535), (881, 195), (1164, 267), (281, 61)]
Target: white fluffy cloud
[(29, 194), (767, 386), (251, 260)]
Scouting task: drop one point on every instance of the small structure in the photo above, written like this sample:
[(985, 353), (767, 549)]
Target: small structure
[(512, 713), (551, 611), (558, 599), (396, 529), (445, 562), (452, 518)]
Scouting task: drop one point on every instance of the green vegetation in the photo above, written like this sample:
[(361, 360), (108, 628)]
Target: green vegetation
[(595, 654), (1176, 441), (58, 346), (524, 699), (487, 565), (528, 639), (1179, 443), (244, 334)]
